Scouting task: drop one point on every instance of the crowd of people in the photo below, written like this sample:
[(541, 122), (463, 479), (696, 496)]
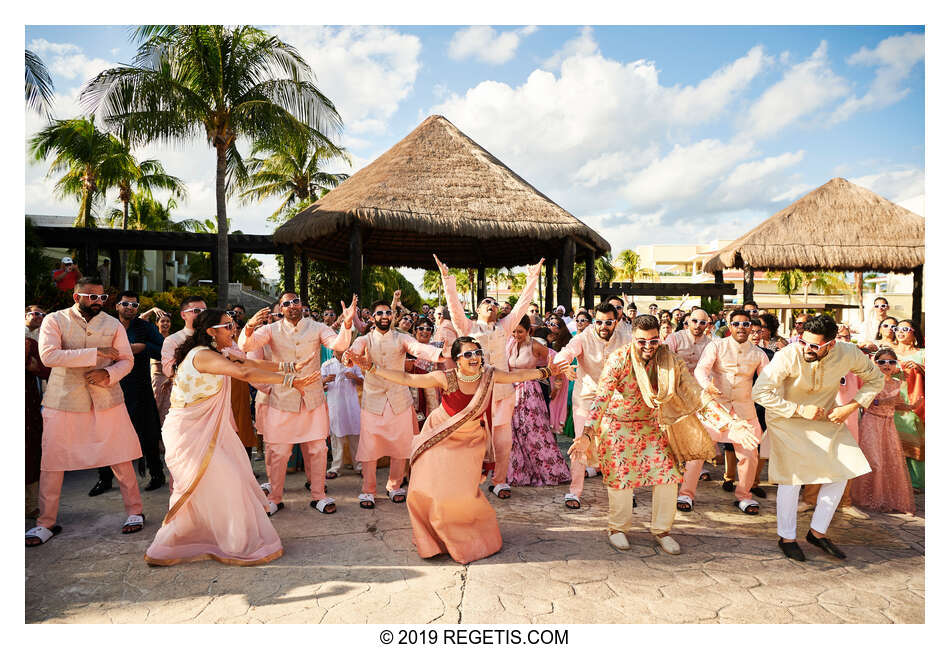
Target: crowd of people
[(452, 401)]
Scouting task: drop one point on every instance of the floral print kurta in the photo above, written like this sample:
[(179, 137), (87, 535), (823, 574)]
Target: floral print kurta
[(632, 450)]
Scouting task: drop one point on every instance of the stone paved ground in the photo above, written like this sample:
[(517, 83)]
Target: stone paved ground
[(555, 567)]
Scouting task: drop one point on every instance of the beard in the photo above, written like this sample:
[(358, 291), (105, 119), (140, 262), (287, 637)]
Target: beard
[(383, 325), (605, 333), (90, 311)]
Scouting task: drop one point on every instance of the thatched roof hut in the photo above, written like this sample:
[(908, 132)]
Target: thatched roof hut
[(839, 226), (438, 191)]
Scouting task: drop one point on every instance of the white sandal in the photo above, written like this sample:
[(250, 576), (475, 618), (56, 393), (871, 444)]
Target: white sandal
[(266, 488), (273, 508), (744, 505), (571, 498), (501, 486), (591, 472), (397, 492), (367, 498), (686, 500), (42, 533), (321, 505), (134, 520)]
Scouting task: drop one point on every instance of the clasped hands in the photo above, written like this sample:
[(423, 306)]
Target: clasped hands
[(836, 415)]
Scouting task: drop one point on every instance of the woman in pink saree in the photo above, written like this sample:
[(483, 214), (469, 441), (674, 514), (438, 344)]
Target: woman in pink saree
[(447, 510), (216, 510)]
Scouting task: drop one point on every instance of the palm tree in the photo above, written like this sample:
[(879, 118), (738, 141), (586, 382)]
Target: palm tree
[(432, 283), (627, 265), (143, 212), (92, 160), (789, 281), (291, 171), (824, 282), (39, 85), (220, 82), (604, 269)]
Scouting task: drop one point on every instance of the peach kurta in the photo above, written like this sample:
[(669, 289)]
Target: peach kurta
[(73, 439), (688, 347), (387, 420), (288, 418)]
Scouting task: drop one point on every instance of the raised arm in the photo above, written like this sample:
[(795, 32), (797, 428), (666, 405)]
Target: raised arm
[(257, 338), (430, 380), (459, 320), (421, 350), (211, 362), (524, 300), (519, 376), (571, 350)]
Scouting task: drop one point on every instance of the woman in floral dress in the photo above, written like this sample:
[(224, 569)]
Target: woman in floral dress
[(536, 459)]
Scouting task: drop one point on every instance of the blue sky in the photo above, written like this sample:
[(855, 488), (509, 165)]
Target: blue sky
[(647, 134)]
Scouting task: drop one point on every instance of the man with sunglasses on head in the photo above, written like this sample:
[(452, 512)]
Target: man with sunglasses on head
[(591, 348), (644, 389), (34, 318), (146, 343), (85, 422), (810, 440), (291, 417), (688, 343), (191, 306), (493, 334), (725, 370), (798, 327), (387, 419)]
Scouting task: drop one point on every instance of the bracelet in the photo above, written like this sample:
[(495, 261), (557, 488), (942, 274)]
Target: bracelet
[(545, 372), (288, 367), (288, 380)]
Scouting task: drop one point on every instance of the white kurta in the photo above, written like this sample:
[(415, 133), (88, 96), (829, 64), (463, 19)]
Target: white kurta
[(342, 399), (819, 451)]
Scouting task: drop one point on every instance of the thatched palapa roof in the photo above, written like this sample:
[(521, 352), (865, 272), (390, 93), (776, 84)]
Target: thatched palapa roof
[(437, 190), (839, 226)]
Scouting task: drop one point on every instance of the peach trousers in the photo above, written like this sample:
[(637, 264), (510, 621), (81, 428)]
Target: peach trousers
[(51, 486), (314, 459)]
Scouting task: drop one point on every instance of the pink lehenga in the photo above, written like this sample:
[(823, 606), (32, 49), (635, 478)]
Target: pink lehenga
[(558, 407), (447, 510), (887, 487), (535, 459), (216, 510)]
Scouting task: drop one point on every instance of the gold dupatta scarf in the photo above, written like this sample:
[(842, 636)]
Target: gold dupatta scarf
[(434, 431), (678, 401)]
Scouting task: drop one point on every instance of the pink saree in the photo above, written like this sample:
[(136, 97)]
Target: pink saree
[(448, 512), (217, 510), (558, 407)]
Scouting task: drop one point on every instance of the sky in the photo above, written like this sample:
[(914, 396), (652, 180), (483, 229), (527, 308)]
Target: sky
[(649, 135)]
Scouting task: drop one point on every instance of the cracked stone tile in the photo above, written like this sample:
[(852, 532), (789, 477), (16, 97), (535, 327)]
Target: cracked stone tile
[(857, 615), (813, 614), (904, 607), (853, 598), (679, 612)]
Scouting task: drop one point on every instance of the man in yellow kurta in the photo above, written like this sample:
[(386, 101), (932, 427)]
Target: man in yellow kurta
[(810, 442)]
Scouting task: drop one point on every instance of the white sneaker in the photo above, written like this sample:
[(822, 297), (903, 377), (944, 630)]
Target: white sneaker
[(619, 541), (591, 472), (854, 512), (668, 544)]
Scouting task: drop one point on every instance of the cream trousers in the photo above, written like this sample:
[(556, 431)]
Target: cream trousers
[(620, 512)]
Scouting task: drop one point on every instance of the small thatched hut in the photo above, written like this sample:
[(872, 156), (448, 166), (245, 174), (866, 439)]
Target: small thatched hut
[(838, 226), (438, 191)]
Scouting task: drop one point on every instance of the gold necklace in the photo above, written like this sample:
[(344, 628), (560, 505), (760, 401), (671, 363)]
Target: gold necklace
[(463, 379)]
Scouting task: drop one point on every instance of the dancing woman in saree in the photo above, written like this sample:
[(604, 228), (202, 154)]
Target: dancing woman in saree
[(448, 512), (217, 510)]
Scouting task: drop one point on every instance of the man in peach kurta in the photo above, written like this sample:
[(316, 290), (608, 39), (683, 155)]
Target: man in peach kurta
[(387, 419), (493, 334), (688, 343), (190, 308), (85, 422), (726, 370), (290, 418), (591, 349)]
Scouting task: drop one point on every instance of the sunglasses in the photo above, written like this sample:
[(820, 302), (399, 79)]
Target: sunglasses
[(101, 297), (230, 313), (801, 324), (701, 323), (888, 326), (903, 330), (424, 328), (39, 313), (383, 313), (489, 302), (604, 323), (582, 320), (329, 314), (745, 324), (227, 325), (812, 346), (293, 302), (532, 310), (134, 305), (886, 361), (194, 310), (653, 342), (752, 311), (881, 306), (472, 353)]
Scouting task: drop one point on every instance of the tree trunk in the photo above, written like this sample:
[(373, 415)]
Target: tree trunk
[(222, 214), (124, 254), (859, 286), (805, 293)]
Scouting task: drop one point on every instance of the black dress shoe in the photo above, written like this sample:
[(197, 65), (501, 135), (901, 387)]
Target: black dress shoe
[(791, 550), (758, 491), (825, 544), (155, 483), (728, 485), (100, 488), (634, 501)]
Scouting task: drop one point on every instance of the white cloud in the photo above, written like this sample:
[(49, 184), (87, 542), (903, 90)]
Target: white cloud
[(366, 71), (43, 47), (805, 88), (755, 182), (895, 185), (485, 44), (612, 166), (68, 60), (894, 58), (792, 194), (685, 173), (582, 45), (711, 95)]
